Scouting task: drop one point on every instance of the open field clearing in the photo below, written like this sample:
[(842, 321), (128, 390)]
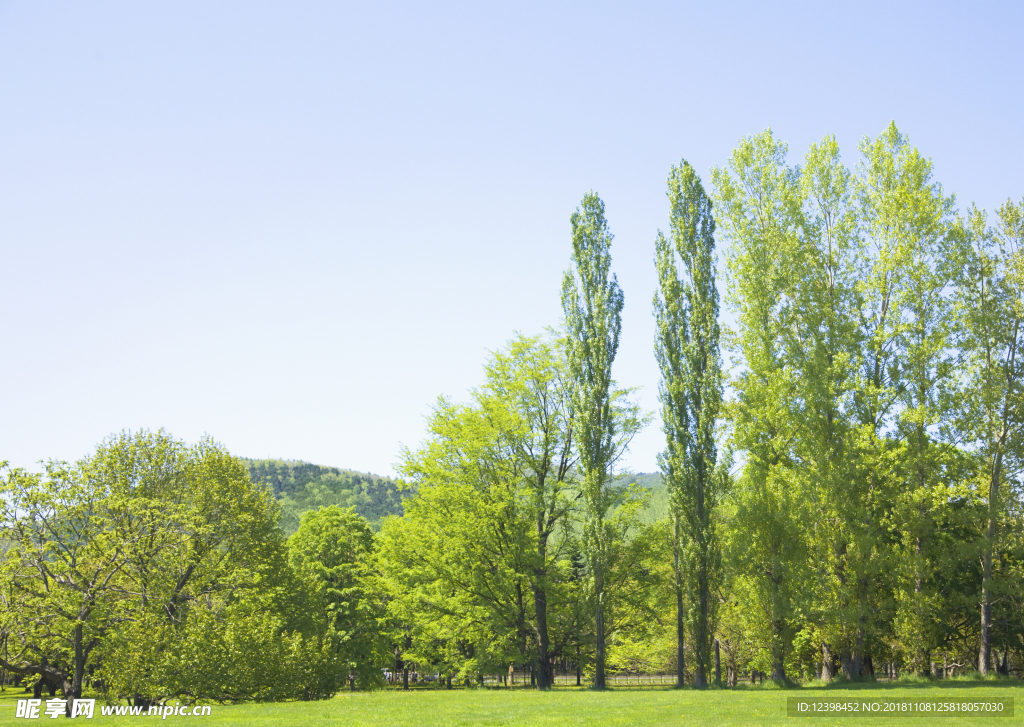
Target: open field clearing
[(758, 706)]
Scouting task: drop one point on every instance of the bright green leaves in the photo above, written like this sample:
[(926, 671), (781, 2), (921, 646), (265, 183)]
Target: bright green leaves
[(142, 558), (486, 538)]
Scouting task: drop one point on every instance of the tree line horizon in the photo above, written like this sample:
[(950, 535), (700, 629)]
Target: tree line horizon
[(843, 499)]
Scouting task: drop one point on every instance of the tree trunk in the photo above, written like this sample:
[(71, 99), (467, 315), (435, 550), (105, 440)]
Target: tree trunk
[(985, 647), (599, 655), (702, 635), (778, 654), (405, 666), (540, 607), (73, 690), (827, 672), (850, 665), (543, 671), (718, 665), (680, 626)]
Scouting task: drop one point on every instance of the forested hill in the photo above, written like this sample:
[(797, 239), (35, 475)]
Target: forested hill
[(301, 486), (657, 508)]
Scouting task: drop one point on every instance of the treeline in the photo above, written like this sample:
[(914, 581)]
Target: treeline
[(842, 500), (301, 486)]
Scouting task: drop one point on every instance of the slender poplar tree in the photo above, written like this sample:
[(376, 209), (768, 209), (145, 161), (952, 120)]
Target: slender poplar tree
[(687, 349), (592, 302)]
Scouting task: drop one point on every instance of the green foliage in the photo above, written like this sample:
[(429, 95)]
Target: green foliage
[(330, 555), (861, 502), (687, 349), (148, 555), (603, 423)]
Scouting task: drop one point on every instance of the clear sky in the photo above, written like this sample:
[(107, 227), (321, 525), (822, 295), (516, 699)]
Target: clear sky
[(293, 225)]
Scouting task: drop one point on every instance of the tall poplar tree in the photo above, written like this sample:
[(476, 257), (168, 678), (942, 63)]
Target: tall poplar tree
[(687, 349), (592, 301), (757, 197), (822, 346), (906, 319), (991, 310)]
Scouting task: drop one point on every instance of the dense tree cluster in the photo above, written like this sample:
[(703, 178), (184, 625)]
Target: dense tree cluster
[(152, 570), (875, 523)]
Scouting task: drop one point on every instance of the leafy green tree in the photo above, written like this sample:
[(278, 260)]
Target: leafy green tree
[(991, 310), (211, 553), (456, 567), (66, 545), (907, 326), (687, 349), (822, 346), (758, 202), (147, 556), (592, 302), (529, 379), (330, 553)]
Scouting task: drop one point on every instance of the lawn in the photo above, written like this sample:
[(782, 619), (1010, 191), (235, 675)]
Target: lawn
[(427, 708)]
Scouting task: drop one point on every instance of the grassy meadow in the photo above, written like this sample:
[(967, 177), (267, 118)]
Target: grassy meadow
[(516, 707)]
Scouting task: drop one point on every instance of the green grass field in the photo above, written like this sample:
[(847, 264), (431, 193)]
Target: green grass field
[(427, 708)]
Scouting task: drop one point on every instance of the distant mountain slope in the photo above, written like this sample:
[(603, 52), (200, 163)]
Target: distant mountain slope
[(657, 508), (301, 486)]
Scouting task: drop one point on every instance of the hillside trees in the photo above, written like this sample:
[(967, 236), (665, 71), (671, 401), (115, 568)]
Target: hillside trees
[(687, 349), (301, 486)]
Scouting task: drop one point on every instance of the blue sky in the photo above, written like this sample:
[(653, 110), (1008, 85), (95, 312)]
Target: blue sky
[(291, 226)]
